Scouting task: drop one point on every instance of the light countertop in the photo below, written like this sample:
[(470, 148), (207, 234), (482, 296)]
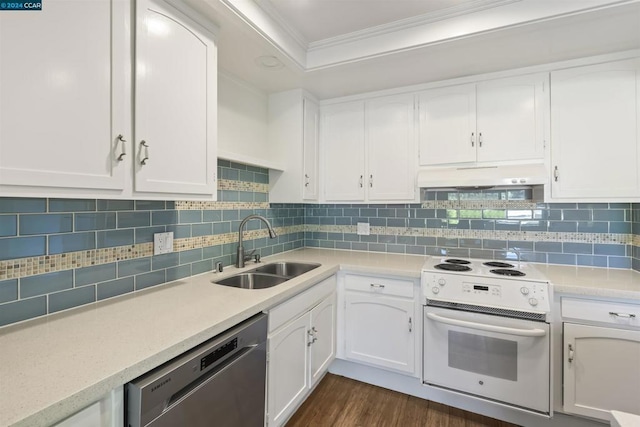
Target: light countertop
[(56, 365)]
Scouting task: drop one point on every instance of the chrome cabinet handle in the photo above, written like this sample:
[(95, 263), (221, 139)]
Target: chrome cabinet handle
[(410, 325), (555, 174), (145, 145), (315, 331), (479, 139), (473, 142), (361, 182), (625, 315), (306, 180), (123, 147), (571, 354), (377, 285), (370, 181)]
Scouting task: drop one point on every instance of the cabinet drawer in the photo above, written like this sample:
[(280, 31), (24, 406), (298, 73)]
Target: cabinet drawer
[(613, 313), (380, 285), (297, 305)]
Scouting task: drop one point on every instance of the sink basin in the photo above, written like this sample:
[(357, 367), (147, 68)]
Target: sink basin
[(252, 280), (287, 269), (267, 275)]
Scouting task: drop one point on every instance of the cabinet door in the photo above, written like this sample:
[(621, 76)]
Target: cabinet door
[(448, 125), (595, 118), (323, 349), (390, 141), (510, 118), (310, 149), (64, 99), (601, 370), (288, 369), (175, 103), (342, 136), (379, 331), (107, 412)]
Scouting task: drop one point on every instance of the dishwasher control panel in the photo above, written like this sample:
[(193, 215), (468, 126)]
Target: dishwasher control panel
[(218, 354)]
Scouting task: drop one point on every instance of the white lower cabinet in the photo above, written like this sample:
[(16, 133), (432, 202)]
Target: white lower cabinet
[(380, 322), (601, 363), (107, 412), (300, 349)]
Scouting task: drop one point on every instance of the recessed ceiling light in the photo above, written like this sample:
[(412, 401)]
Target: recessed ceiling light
[(269, 62)]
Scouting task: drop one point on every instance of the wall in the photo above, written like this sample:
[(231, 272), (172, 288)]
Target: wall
[(57, 254), (487, 224)]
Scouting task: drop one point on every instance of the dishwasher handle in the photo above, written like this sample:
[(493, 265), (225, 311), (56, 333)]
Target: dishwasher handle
[(488, 328)]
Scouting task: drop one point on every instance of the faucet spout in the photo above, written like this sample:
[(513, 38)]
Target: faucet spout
[(240, 257)]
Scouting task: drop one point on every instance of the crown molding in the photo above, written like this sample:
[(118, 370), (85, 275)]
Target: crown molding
[(273, 13), (416, 21)]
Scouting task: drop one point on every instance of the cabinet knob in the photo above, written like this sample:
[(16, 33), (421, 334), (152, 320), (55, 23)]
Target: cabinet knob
[(123, 147), (144, 145), (625, 315), (571, 355)]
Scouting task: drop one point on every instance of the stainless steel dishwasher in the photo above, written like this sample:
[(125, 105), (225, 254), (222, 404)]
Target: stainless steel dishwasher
[(218, 383)]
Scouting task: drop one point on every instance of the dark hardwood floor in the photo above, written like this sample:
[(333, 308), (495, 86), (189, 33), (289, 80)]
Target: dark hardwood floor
[(339, 401)]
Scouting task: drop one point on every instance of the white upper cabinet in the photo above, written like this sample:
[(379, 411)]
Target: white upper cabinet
[(342, 142), (497, 121), (311, 120), (369, 150), (448, 125), (66, 87), (510, 117), (390, 141), (64, 105), (175, 127), (293, 142), (595, 129)]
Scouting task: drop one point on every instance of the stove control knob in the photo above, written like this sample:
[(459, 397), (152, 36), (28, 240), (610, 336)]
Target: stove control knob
[(524, 291), (435, 290), (533, 301), (442, 282)]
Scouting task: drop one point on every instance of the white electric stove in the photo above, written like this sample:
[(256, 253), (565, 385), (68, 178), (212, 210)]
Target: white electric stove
[(508, 285)]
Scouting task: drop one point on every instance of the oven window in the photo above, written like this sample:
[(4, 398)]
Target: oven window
[(493, 357)]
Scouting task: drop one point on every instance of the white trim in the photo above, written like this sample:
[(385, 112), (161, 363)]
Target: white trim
[(270, 10), (415, 21), (553, 66)]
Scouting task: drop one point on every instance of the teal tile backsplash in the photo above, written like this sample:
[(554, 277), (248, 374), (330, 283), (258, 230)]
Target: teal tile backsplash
[(474, 224)]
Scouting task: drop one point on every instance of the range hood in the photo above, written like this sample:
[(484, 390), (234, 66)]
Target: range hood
[(485, 176)]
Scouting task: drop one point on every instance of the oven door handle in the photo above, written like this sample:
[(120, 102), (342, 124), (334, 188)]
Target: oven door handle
[(488, 328)]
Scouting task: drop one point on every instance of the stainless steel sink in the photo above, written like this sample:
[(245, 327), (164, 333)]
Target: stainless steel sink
[(287, 269), (267, 275), (252, 281)]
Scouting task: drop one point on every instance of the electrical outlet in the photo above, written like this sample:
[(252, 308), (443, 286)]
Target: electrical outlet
[(363, 229), (163, 243)]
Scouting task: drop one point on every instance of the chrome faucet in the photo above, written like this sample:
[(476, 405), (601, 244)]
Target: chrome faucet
[(240, 257)]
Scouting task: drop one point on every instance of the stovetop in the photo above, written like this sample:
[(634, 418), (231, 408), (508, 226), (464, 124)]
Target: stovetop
[(503, 284), (484, 268)]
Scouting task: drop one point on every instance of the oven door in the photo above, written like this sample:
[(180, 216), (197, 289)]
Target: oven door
[(494, 357)]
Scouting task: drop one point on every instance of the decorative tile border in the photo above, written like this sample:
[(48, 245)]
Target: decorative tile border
[(528, 236), (189, 205), (254, 187), (479, 204), (24, 267), (636, 240)]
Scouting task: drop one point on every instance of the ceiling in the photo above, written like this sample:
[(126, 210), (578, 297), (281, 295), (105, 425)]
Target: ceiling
[(316, 20), (337, 48)]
